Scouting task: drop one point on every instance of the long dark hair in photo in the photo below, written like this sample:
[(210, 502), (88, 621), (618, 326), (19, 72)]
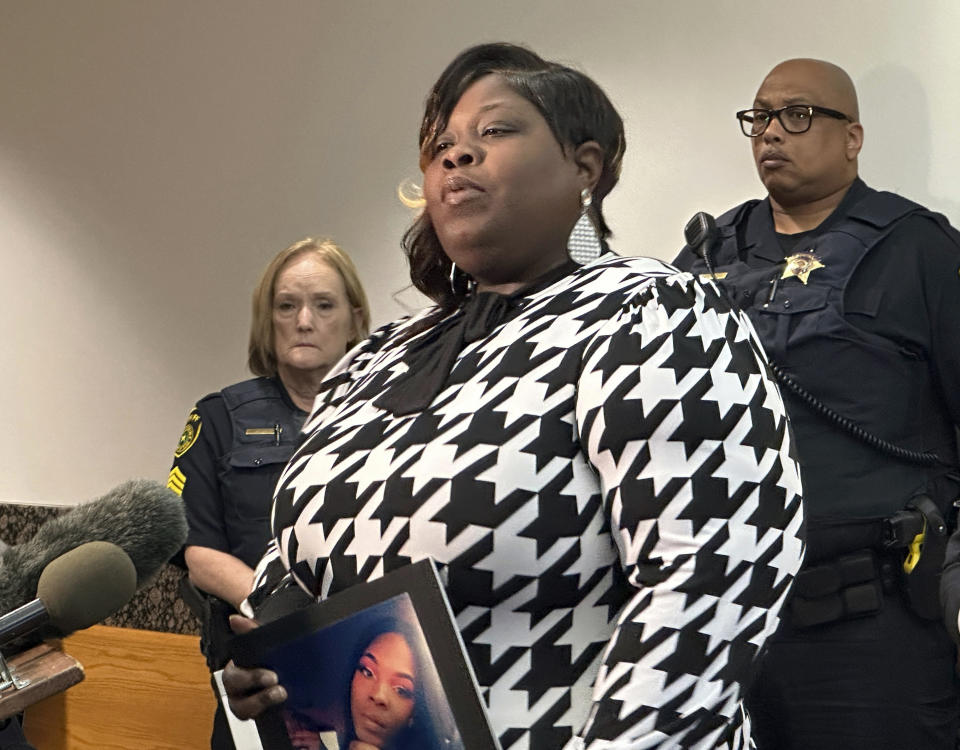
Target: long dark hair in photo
[(422, 733)]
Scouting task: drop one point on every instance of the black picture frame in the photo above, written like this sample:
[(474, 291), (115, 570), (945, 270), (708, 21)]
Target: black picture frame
[(312, 649)]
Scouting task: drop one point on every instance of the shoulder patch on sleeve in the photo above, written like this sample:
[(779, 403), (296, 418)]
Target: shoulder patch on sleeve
[(190, 433)]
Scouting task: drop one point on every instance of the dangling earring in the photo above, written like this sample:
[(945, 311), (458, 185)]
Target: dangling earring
[(470, 283), (584, 243), (453, 278)]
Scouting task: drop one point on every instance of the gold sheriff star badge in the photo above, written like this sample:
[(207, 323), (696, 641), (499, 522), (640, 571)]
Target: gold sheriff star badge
[(801, 265)]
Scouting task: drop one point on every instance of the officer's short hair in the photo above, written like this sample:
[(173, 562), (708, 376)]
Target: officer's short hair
[(262, 358)]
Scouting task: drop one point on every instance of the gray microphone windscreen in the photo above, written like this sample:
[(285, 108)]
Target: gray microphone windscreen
[(144, 518)]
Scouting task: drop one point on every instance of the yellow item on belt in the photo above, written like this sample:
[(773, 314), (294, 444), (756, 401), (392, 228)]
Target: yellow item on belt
[(915, 550)]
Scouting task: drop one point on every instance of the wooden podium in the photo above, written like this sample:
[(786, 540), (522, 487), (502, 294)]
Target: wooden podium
[(142, 689), (38, 673)]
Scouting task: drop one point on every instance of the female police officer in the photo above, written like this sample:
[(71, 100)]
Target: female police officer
[(308, 309)]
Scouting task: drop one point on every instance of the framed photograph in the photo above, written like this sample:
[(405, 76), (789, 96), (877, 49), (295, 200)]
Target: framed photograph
[(380, 663)]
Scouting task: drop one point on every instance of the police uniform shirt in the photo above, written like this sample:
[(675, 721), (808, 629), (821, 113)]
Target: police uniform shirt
[(905, 295), (226, 469)]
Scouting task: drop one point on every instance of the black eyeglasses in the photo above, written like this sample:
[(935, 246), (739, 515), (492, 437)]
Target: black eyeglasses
[(795, 118)]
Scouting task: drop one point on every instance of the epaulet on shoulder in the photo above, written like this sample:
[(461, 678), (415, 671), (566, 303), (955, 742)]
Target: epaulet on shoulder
[(882, 208), (210, 397), (249, 390), (951, 232), (736, 214), (211, 404)]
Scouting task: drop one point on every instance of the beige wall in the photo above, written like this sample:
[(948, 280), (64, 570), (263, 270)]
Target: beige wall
[(154, 155)]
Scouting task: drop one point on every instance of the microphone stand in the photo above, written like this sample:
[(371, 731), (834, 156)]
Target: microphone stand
[(10, 728), (22, 620), (26, 678), (9, 677)]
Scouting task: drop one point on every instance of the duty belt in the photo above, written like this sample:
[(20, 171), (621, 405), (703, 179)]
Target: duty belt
[(852, 585)]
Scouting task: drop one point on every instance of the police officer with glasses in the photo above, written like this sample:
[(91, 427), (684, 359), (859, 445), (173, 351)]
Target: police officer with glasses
[(855, 294)]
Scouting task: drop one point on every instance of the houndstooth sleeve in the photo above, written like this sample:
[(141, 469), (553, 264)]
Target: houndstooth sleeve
[(687, 433), (271, 574)]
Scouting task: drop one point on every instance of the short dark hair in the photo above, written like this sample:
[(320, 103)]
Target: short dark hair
[(576, 110)]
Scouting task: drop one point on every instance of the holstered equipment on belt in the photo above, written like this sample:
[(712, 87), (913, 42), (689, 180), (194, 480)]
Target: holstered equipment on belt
[(214, 615), (847, 587), (908, 557), (925, 537)]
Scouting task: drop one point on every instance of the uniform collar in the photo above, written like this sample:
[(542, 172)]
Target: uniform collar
[(285, 397), (760, 226)]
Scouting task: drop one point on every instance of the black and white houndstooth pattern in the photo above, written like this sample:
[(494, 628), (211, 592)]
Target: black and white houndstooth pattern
[(606, 482)]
